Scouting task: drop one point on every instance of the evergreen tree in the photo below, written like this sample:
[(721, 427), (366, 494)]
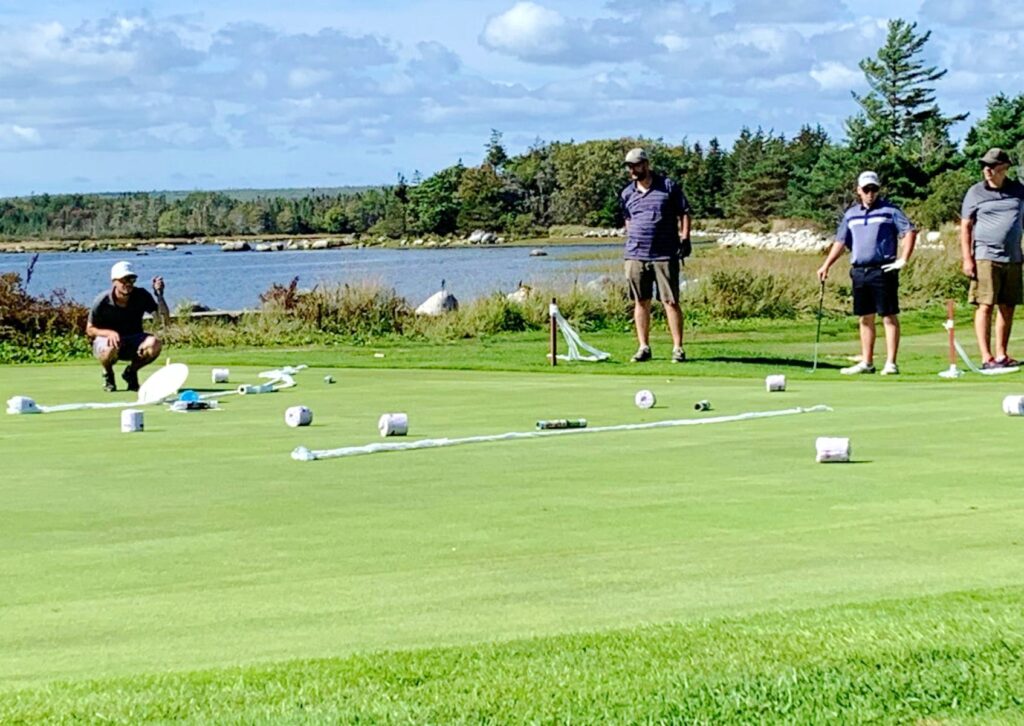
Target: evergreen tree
[(1003, 126), (901, 132)]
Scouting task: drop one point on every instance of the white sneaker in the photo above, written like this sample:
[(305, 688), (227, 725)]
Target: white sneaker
[(857, 368), (890, 369)]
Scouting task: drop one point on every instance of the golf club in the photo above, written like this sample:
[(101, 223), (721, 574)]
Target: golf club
[(817, 334)]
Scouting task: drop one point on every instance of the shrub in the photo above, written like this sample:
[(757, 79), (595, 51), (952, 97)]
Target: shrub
[(360, 311), (39, 328)]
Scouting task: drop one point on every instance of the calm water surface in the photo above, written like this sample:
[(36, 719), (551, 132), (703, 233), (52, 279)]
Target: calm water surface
[(234, 280)]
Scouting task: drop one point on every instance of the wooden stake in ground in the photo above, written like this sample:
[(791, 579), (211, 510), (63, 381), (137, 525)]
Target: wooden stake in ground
[(552, 313)]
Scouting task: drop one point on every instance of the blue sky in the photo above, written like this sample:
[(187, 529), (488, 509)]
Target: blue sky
[(107, 96)]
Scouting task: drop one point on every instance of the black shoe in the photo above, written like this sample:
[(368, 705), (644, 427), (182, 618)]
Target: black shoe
[(678, 356), (642, 354), (131, 377), (108, 382)]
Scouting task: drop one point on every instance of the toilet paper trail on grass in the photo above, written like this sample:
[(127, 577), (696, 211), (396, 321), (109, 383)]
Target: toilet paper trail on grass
[(303, 453)]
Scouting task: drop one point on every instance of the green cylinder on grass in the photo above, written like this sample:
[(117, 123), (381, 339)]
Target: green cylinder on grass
[(563, 423)]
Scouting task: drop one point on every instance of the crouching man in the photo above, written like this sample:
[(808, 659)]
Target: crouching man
[(115, 325)]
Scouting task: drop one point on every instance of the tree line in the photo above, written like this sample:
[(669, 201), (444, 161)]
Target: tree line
[(898, 130)]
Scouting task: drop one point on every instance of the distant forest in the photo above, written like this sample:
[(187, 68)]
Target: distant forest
[(898, 130)]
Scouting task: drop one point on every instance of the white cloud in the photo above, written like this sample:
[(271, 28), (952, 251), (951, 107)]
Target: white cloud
[(303, 78), (982, 14), (832, 76), (527, 30), (672, 42), (13, 136), (791, 11)]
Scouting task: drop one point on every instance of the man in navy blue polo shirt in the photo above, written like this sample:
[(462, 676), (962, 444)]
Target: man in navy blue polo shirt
[(872, 230), (657, 217)]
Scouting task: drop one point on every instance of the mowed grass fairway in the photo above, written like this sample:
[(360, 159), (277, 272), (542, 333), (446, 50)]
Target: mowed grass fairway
[(704, 573)]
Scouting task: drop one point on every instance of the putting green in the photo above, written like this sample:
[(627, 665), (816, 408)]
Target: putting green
[(201, 543)]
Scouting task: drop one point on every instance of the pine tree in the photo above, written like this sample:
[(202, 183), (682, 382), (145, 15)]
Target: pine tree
[(901, 132)]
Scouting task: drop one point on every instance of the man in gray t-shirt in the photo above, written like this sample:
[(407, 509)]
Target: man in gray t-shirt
[(990, 245)]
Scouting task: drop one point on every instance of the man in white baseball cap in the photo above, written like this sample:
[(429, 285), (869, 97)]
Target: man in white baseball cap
[(873, 229), (115, 325)]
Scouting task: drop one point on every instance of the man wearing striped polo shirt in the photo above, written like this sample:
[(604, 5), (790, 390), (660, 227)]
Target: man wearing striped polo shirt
[(872, 230), (990, 234), (657, 217)]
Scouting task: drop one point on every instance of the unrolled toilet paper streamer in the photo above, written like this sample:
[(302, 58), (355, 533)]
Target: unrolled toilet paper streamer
[(775, 384), (393, 424), (298, 416), (832, 449), (303, 453), (220, 375), (1013, 405), (131, 420)]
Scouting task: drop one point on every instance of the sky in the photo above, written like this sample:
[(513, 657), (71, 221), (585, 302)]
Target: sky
[(108, 96)]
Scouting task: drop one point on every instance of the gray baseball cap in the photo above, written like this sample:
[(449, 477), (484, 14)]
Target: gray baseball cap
[(995, 156), (635, 156)]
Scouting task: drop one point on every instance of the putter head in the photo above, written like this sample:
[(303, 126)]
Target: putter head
[(951, 372)]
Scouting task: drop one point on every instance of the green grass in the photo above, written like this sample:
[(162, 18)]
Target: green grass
[(953, 657), (700, 574)]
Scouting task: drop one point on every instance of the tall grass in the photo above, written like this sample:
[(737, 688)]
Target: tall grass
[(722, 285)]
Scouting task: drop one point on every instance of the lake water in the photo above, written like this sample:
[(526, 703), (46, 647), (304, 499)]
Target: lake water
[(234, 280)]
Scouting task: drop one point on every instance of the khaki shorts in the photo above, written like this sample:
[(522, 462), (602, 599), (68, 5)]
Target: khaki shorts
[(996, 283), (642, 275)]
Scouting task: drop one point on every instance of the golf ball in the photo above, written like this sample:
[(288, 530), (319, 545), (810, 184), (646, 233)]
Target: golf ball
[(644, 399)]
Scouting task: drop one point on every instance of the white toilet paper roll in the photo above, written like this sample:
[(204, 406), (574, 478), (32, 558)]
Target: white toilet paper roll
[(832, 449), (774, 384), (1013, 405), (644, 399), (131, 420), (393, 424), (22, 404), (220, 375), (249, 389), (298, 416)]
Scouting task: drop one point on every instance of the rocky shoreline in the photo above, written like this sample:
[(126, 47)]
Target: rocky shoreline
[(803, 241)]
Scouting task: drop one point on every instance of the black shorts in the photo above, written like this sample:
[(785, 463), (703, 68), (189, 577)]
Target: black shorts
[(875, 291)]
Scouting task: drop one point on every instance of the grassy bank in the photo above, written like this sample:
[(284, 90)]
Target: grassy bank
[(948, 659)]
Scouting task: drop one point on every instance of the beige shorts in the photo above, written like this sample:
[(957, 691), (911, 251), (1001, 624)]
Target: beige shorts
[(642, 276), (996, 283)]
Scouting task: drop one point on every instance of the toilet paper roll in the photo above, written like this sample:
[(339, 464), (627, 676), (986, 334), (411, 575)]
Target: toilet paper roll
[(393, 424), (832, 449), (22, 404), (774, 384), (298, 416), (131, 420), (247, 389), (219, 375), (1013, 405), (644, 399)]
